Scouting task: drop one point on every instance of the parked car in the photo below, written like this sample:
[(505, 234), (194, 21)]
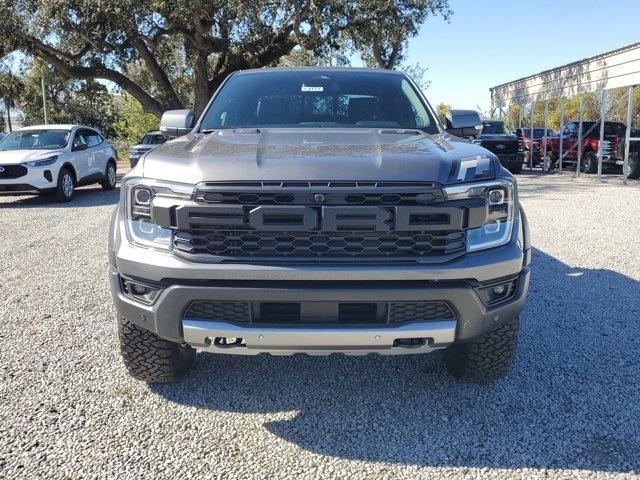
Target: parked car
[(497, 139), (150, 141), (535, 145), (613, 147), (54, 160), (319, 210)]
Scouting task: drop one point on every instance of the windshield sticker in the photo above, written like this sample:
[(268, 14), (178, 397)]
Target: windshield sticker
[(308, 88)]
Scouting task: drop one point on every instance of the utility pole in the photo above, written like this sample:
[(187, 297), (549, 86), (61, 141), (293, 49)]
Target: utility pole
[(44, 102)]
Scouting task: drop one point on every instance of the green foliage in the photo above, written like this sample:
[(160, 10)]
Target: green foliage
[(441, 111), (85, 102), (170, 54), (132, 122)]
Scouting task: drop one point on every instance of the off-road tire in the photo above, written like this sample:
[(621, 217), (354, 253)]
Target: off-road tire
[(150, 358), (64, 191), (516, 170), (109, 180), (634, 166), (486, 358), (590, 163)]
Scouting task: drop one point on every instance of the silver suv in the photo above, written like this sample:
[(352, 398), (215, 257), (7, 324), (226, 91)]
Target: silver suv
[(318, 211)]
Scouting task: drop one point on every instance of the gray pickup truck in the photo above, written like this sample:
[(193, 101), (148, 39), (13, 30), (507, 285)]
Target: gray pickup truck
[(318, 211)]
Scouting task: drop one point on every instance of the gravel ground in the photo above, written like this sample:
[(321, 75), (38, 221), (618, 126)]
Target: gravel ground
[(569, 409)]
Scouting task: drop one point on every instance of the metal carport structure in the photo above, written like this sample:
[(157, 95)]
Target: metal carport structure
[(613, 69)]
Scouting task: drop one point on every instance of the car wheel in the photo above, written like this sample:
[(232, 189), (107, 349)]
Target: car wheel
[(150, 358), (517, 169), (590, 163), (110, 179), (485, 358), (547, 164), (633, 167), (66, 186)]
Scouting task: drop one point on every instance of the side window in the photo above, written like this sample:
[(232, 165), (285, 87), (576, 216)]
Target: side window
[(80, 138), (157, 140), (93, 138)]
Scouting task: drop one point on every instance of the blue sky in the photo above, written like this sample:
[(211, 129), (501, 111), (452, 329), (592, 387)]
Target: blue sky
[(489, 42)]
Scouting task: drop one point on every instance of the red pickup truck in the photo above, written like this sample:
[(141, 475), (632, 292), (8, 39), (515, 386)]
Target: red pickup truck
[(535, 146), (612, 149)]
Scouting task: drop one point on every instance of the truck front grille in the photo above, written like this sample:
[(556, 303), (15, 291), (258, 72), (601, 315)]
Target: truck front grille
[(501, 147), (320, 222), (353, 244)]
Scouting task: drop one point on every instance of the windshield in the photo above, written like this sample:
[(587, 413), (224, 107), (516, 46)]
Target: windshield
[(152, 139), (538, 132), (35, 140), (610, 128), (318, 99), (493, 127)]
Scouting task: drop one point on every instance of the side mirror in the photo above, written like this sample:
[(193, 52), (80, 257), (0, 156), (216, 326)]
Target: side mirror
[(175, 123), (464, 123), (80, 147)]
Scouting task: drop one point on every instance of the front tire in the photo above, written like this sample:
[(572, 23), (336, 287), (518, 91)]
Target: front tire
[(590, 163), (486, 358), (110, 179), (150, 358), (66, 186), (516, 170)]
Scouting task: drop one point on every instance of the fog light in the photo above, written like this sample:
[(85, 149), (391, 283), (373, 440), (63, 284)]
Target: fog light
[(140, 292), (499, 289), (138, 289), (498, 293)]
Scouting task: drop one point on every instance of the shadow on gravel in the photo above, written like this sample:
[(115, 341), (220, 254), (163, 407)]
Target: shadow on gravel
[(90, 196), (570, 402)]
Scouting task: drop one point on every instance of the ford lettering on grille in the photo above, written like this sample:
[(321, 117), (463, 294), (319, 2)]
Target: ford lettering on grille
[(366, 224)]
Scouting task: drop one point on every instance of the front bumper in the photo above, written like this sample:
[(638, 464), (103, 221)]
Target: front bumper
[(36, 179), (510, 160), (181, 282), (166, 316)]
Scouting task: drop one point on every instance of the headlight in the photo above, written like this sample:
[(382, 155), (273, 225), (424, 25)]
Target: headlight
[(500, 199), (42, 162), (138, 197)]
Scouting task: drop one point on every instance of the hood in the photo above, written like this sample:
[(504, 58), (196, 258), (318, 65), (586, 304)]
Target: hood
[(142, 146), (309, 154), (14, 157), (499, 136)]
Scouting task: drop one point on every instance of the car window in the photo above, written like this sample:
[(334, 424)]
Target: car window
[(318, 99), (45, 139), (152, 139), (93, 138), (80, 138)]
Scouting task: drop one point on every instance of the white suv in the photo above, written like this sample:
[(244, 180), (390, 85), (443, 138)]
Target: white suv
[(55, 159)]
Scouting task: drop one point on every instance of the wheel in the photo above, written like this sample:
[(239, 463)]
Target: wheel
[(150, 358), (633, 168), (517, 169), (485, 358), (66, 186), (527, 157), (109, 181), (590, 162), (548, 164)]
